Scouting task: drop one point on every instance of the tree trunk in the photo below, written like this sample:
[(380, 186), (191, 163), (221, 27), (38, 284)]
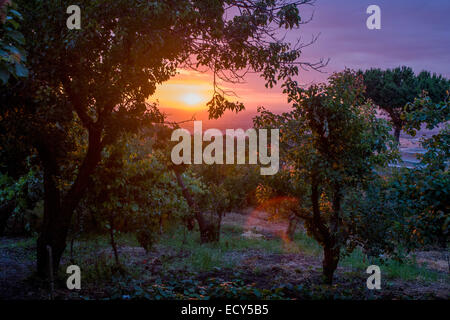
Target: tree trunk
[(290, 232), (336, 204), (330, 263), (5, 212), (189, 223), (397, 122), (71, 250), (54, 230), (323, 234), (397, 131), (320, 230), (113, 241), (212, 231), (208, 232), (57, 213)]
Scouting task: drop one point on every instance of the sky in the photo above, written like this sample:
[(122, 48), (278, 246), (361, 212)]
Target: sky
[(414, 33)]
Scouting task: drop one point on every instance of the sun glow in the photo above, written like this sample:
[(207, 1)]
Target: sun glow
[(188, 90), (191, 99), (184, 94)]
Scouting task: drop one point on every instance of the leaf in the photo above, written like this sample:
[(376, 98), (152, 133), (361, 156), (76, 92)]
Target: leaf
[(12, 50), (16, 36), (15, 24), (21, 71), (16, 13), (4, 75)]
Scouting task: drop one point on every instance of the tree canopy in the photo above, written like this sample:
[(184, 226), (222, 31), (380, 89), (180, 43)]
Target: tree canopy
[(100, 76), (393, 89), (12, 54), (331, 142)]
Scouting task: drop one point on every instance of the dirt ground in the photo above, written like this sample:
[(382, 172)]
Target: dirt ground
[(256, 265), (15, 268)]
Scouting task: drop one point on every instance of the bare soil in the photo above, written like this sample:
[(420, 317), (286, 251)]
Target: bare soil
[(262, 268)]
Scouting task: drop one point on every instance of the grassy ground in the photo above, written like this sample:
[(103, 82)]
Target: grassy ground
[(261, 265)]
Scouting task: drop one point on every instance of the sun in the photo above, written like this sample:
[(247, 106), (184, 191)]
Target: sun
[(187, 91), (191, 99)]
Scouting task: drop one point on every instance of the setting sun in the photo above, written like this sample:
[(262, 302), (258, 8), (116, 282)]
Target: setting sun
[(191, 99), (188, 90)]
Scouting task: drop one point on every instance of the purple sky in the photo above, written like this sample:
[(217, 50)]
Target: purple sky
[(415, 33)]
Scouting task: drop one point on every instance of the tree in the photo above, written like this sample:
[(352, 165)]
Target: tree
[(407, 208), (19, 200), (12, 53), (224, 192), (132, 190), (330, 144), (393, 89), (275, 196), (426, 190), (102, 75)]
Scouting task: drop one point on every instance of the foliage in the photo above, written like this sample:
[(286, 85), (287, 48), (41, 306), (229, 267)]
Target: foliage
[(12, 53), (133, 190), (425, 190), (236, 183), (275, 195), (24, 196), (393, 89), (222, 191), (213, 288), (330, 144), (409, 208), (102, 75), (422, 197)]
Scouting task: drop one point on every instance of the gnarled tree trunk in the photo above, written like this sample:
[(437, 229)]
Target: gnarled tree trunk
[(6, 211), (53, 232), (293, 222), (397, 131), (323, 234), (58, 212), (209, 232), (330, 262), (397, 123)]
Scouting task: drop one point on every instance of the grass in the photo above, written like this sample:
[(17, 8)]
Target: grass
[(185, 252), (410, 270), (23, 243), (407, 270), (307, 244), (218, 255), (208, 256)]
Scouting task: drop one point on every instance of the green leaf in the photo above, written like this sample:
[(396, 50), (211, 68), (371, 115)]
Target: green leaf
[(17, 36), (15, 24), (4, 75), (21, 71), (16, 13)]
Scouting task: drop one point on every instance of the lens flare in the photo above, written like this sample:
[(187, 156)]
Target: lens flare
[(264, 207)]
